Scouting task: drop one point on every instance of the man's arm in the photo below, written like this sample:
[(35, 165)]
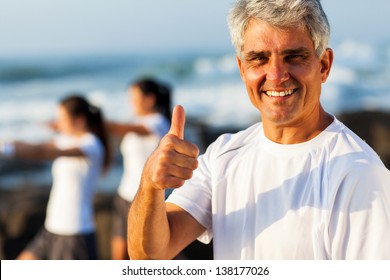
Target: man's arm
[(157, 230), (359, 227)]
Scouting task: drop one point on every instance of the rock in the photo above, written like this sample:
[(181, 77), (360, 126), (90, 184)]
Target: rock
[(374, 128), (23, 211)]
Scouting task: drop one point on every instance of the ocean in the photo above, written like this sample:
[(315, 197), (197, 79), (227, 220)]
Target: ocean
[(208, 85)]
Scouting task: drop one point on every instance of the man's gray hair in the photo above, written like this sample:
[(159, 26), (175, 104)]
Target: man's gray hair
[(280, 13)]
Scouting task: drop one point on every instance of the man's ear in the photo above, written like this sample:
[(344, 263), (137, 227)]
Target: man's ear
[(326, 64), (240, 67)]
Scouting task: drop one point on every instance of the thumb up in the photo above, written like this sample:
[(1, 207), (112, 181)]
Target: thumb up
[(174, 160), (178, 122)]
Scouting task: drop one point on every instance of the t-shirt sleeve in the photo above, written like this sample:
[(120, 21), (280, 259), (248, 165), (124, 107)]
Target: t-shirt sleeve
[(195, 197), (158, 125), (359, 227), (91, 148), (61, 141), (89, 145)]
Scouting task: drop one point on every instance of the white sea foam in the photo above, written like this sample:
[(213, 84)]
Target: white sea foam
[(218, 105), (209, 86)]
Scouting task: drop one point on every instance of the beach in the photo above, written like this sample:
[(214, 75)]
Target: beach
[(207, 84)]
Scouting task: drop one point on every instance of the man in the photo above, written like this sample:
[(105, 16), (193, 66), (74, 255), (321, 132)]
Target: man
[(299, 185)]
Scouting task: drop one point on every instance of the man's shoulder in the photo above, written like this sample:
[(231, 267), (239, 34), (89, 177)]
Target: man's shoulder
[(229, 142), (351, 157), (348, 142)]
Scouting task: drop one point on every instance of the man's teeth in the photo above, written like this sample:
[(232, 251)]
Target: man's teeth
[(279, 93)]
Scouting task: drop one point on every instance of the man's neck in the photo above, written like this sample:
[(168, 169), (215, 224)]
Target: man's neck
[(298, 131)]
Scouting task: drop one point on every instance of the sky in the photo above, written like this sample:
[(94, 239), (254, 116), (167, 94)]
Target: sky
[(39, 27)]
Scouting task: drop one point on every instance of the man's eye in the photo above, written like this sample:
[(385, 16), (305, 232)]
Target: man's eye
[(295, 57), (259, 59)]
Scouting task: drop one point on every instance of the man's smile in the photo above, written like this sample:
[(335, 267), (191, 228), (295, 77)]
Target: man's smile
[(274, 93)]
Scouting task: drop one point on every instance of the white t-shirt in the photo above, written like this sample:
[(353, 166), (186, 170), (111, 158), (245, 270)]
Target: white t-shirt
[(70, 206), (136, 149), (328, 198)]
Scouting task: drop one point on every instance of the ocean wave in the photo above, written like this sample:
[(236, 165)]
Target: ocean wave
[(362, 57), (25, 72), (174, 67), (226, 64), (208, 85)]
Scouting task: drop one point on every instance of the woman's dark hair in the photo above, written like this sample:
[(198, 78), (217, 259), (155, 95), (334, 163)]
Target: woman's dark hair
[(161, 91), (78, 106)]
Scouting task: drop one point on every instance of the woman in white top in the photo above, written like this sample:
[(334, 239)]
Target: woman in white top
[(80, 153), (151, 102)]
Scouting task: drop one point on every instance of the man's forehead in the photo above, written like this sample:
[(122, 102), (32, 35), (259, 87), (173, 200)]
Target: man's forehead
[(263, 37), (289, 51)]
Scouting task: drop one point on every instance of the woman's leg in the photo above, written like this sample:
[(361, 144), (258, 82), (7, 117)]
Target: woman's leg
[(119, 248), (26, 255)]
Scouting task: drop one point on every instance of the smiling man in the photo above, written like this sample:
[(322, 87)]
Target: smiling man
[(298, 185), (283, 76)]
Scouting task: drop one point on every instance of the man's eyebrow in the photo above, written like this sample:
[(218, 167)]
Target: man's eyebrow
[(302, 50), (253, 54)]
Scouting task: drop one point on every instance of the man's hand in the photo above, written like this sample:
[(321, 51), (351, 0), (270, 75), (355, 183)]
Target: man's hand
[(175, 159)]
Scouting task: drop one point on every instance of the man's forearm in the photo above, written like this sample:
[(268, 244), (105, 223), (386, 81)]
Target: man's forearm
[(148, 226)]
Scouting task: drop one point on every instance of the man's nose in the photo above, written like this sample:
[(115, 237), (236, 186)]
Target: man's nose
[(277, 71)]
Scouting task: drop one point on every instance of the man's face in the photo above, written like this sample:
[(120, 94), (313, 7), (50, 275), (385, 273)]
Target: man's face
[(282, 74)]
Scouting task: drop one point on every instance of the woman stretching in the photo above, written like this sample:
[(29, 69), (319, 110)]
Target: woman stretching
[(80, 153)]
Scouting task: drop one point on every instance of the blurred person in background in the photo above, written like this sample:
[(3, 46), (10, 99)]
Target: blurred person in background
[(80, 153), (151, 103)]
